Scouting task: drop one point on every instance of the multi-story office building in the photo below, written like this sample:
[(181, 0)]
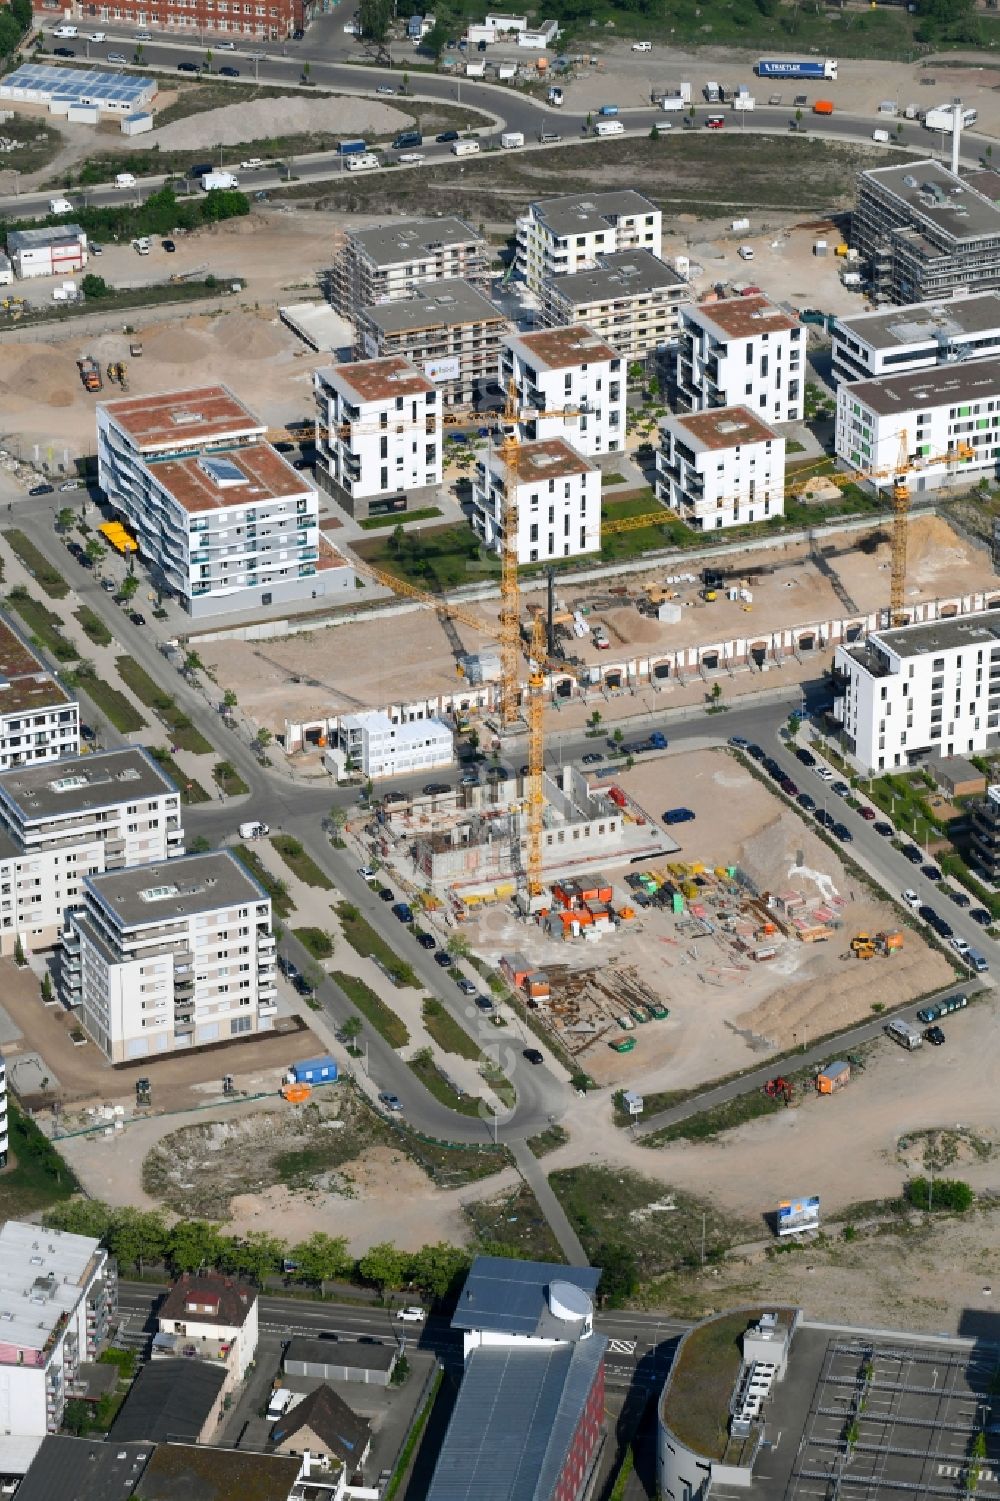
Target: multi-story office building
[(378, 435), (270, 20), (924, 234), (558, 496), (742, 351), (630, 298), (921, 690), (171, 956), (574, 385), (897, 340), (61, 823), (984, 832), (391, 262), (450, 331), (559, 236), (38, 719), (374, 745), (935, 411), (721, 468), (221, 518), (58, 1293)]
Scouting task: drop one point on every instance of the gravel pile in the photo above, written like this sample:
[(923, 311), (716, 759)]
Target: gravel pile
[(264, 118)]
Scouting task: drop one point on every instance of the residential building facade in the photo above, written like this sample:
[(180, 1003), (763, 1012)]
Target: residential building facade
[(925, 234), (171, 956), (572, 383), (984, 833), (561, 236), (557, 494), (213, 1316), (918, 691), (374, 745), (393, 261), (223, 521), (898, 340), (61, 823), (59, 1293), (631, 298), (4, 1122), (271, 20), (946, 420), (720, 468), (450, 331), (741, 351), (47, 252), (39, 721), (379, 436)]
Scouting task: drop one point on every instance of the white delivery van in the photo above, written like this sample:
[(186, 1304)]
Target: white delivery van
[(464, 148), (253, 830), (141, 246), (512, 139), (124, 180), (609, 128), (882, 136), (223, 181), (364, 161), (60, 206), (745, 252), (278, 1404), (66, 31)]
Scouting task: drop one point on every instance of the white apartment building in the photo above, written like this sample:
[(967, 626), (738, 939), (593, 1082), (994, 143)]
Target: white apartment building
[(222, 520), (38, 719), (560, 236), (379, 436), (214, 1315), (58, 1293), (61, 823), (450, 331), (934, 412), (741, 351), (376, 746), (719, 468), (920, 691), (557, 493), (919, 336), (572, 382), (171, 956), (631, 298), (391, 261)]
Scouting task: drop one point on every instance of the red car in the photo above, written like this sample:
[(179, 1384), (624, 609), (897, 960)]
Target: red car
[(715, 122), (868, 814)]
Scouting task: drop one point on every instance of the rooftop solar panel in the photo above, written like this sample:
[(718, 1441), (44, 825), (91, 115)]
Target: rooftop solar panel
[(76, 85)]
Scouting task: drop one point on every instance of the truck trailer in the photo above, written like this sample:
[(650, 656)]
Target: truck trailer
[(774, 67), (943, 118), (219, 181)]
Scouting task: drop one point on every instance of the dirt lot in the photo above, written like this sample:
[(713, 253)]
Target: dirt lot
[(346, 666)]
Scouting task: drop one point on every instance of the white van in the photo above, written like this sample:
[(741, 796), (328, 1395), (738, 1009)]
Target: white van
[(609, 128), (66, 31), (60, 206), (745, 252), (364, 161), (278, 1403), (124, 180), (510, 140), (882, 136), (464, 148)]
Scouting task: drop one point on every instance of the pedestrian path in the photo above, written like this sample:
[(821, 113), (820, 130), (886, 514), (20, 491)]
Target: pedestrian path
[(537, 1180)]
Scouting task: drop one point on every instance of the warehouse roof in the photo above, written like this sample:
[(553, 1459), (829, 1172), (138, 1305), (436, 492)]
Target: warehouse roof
[(501, 1296), (43, 1274), (623, 274), (721, 427), (925, 322), (83, 1469), (438, 304), (45, 81), (583, 213), (939, 386), (929, 191), (183, 419), (169, 1399), (982, 629), (224, 477), (82, 783), (193, 1472), (377, 380), (32, 239), (561, 348), (174, 889), (400, 244), (514, 1421)]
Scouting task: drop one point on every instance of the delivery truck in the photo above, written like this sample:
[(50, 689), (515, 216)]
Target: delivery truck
[(124, 180), (776, 67), (943, 118), (673, 102), (609, 128), (464, 148), (743, 101), (510, 140), (219, 181), (351, 148), (365, 161)]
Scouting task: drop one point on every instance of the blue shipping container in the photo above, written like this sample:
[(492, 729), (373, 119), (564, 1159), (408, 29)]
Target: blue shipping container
[(351, 148), (314, 1071)]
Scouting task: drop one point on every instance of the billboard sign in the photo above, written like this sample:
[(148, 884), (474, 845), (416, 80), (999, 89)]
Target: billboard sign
[(448, 368), (796, 1216)]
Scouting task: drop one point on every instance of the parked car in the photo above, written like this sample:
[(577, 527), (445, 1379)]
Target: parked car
[(412, 1315), (805, 756), (366, 873), (443, 958), (842, 789), (934, 1036), (678, 815), (168, 246), (188, 68), (931, 872), (824, 819), (432, 789), (228, 72), (756, 752), (738, 742), (386, 895), (805, 801), (824, 773), (386, 88), (981, 916), (390, 1101), (44, 490), (136, 618), (446, 135), (465, 986), (426, 941), (485, 1003), (402, 911), (592, 758), (960, 898), (868, 814), (960, 946), (842, 832), (885, 829), (911, 899), (913, 854)]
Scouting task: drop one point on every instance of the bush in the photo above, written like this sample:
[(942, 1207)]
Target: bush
[(94, 287), (939, 1193)]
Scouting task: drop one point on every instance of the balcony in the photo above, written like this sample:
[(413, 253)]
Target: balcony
[(267, 1008)]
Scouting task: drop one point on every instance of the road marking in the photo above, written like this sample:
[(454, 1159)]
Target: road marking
[(622, 1346)]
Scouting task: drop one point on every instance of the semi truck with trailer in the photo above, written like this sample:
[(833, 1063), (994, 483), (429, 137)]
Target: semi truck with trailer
[(776, 67), (943, 118)]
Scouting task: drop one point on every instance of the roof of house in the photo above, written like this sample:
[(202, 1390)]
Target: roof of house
[(190, 1472), (721, 427), (81, 784), (502, 1296), (562, 348), (438, 304), (339, 1430), (543, 459), (183, 419), (400, 244), (43, 1275), (25, 682), (928, 323), (622, 274), (743, 317), (84, 1469), (940, 385), (339, 1352), (247, 475), (378, 380), (174, 889), (516, 1415), (211, 1298), (169, 1399)]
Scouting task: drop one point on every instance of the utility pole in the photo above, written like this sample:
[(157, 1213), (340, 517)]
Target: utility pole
[(703, 1219)]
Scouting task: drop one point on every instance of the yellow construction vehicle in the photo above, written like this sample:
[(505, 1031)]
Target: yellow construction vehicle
[(863, 946)]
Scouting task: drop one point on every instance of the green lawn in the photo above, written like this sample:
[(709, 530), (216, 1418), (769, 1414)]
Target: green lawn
[(424, 1068), (37, 564), (183, 733), (228, 779), (371, 945), (300, 863), (373, 1008), (319, 943), (276, 890), (436, 557), (399, 518), (446, 1032), (696, 1407), (111, 701), (671, 532), (39, 1177), (93, 626), (191, 791), (709, 1124), (43, 625)]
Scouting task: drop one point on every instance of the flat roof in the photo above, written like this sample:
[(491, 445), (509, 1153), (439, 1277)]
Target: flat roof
[(931, 193), (941, 384), (981, 629), (624, 273), (196, 1472), (512, 1297), (562, 348), (378, 380), (745, 317), (332, 1352), (182, 419), (514, 1421), (545, 459), (439, 304), (77, 85), (26, 684), (84, 1469), (247, 475), (174, 889), (42, 1278), (30, 239), (582, 213), (722, 427), (80, 784), (400, 244), (926, 322)]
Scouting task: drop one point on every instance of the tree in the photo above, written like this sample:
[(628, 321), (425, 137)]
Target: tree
[(255, 1255), (193, 1244), (716, 692), (95, 551), (229, 699), (80, 1217), (137, 1236), (619, 1273), (264, 737), (436, 39), (46, 986), (19, 956), (193, 663), (208, 58), (306, 70), (129, 587), (458, 946), (322, 1258), (375, 19), (435, 1269), (618, 736), (351, 1031), (65, 519), (199, 845), (596, 718), (383, 1265), (338, 819), (397, 539)]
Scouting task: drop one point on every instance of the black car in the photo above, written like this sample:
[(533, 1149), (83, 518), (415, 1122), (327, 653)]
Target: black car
[(394, 797), (188, 68), (885, 829), (284, 447), (289, 970), (443, 958), (168, 246), (446, 135), (87, 734), (931, 872), (136, 618), (756, 752), (911, 853), (85, 562), (806, 757), (961, 898), (928, 914), (805, 801), (981, 916), (73, 548), (842, 832), (592, 758), (43, 490), (63, 52), (485, 1003), (532, 1055), (824, 819), (426, 941), (298, 34), (788, 787), (385, 895), (934, 1036), (772, 768), (432, 789), (228, 72)]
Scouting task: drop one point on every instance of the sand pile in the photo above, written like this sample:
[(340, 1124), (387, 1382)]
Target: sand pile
[(260, 119), (249, 337), (175, 345), (628, 625), (40, 374)]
